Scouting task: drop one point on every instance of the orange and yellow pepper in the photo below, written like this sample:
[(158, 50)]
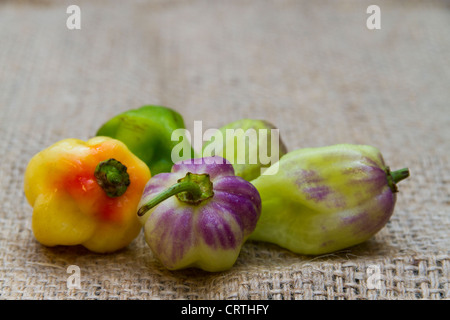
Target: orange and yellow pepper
[(86, 193)]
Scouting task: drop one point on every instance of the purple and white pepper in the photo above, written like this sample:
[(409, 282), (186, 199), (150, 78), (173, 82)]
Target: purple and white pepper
[(199, 215)]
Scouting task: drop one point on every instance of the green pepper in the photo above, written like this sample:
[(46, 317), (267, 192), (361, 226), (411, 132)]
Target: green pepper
[(250, 145), (147, 132), (320, 200)]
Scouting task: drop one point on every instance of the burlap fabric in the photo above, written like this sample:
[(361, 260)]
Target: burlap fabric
[(312, 68)]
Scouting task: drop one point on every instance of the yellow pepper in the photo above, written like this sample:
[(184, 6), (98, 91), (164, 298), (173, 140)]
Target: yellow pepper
[(86, 193)]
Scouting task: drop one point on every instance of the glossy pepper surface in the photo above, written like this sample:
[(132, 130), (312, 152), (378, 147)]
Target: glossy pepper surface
[(199, 215), (253, 147), (325, 199), (85, 193), (147, 132)]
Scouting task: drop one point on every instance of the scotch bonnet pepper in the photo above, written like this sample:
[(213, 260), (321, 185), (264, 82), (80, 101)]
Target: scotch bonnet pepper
[(147, 132), (85, 193), (199, 215), (325, 199)]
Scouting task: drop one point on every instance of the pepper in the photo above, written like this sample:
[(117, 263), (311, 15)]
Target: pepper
[(198, 215), (147, 132), (251, 147), (85, 193), (326, 199)]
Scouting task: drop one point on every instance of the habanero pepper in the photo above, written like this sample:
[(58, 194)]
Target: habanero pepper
[(85, 193)]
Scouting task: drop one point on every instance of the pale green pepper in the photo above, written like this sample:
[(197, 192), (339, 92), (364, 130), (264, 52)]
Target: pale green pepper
[(251, 147), (320, 200)]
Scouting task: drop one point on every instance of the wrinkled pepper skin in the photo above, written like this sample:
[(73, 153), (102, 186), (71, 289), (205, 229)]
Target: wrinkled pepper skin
[(147, 132), (247, 170), (326, 199), (62, 184), (203, 231)]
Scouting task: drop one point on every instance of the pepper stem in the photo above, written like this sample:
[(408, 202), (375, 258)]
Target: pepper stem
[(395, 177), (192, 189), (112, 177), (399, 175)]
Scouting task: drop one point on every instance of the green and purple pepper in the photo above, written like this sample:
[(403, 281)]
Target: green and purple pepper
[(320, 200), (199, 215)]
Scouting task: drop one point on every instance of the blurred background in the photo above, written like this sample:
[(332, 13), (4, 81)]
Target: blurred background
[(312, 68)]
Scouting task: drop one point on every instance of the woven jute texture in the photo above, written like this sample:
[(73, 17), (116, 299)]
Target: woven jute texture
[(312, 68)]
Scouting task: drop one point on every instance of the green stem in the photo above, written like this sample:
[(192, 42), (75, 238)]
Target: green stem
[(192, 189), (112, 177), (399, 175), (395, 177), (185, 186)]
